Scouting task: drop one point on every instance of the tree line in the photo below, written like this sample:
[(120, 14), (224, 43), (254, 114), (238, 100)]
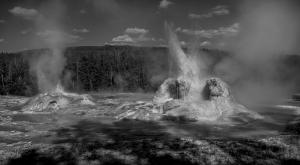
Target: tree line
[(111, 68), (120, 68)]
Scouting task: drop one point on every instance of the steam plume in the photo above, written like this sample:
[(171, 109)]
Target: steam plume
[(49, 66), (191, 69), (268, 29)]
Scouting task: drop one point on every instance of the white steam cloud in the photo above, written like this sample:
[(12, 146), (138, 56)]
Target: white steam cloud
[(267, 29), (191, 68), (48, 67)]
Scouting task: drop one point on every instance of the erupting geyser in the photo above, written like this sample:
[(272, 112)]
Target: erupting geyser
[(201, 97), (48, 67), (192, 95)]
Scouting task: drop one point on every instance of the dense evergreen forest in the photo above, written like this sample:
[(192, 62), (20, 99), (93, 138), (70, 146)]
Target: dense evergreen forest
[(121, 68), (100, 68)]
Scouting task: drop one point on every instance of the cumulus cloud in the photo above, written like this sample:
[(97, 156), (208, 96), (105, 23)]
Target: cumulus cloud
[(2, 39), (24, 12), (200, 16), (220, 10), (2, 21), (56, 37), (165, 4), (83, 30), (136, 30), (205, 43), (231, 30), (133, 35), (216, 11), (123, 38)]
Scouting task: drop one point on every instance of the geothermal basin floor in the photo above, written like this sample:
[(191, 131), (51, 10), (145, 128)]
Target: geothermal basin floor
[(91, 135)]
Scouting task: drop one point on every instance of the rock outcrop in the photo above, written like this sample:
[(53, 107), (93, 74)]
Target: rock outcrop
[(216, 104), (214, 88), (175, 101), (54, 100), (172, 89)]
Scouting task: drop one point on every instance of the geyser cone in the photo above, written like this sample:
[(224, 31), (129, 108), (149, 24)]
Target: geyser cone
[(205, 99), (54, 100), (192, 95)]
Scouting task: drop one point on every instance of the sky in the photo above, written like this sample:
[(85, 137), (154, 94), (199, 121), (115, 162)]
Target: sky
[(30, 24)]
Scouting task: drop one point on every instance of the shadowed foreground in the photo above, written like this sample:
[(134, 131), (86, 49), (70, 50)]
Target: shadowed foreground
[(139, 142)]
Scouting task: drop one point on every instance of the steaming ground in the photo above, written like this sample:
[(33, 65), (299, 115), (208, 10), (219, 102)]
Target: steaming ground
[(83, 134)]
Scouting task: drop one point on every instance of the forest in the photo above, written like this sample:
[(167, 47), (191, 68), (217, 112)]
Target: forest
[(104, 68), (113, 68)]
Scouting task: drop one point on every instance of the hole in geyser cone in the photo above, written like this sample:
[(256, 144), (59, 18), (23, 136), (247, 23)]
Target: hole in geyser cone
[(54, 100)]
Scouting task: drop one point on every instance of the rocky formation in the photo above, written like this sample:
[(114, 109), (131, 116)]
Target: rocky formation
[(216, 104), (215, 88), (139, 110), (55, 100), (172, 89), (175, 101)]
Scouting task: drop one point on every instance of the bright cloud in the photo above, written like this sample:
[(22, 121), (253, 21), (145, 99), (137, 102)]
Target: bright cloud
[(24, 13), (205, 43), (231, 30), (133, 35), (216, 11), (220, 10), (2, 39), (165, 4), (2, 21), (123, 38), (136, 30)]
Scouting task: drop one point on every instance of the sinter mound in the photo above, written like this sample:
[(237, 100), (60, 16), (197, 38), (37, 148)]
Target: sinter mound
[(55, 100), (174, 100)]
